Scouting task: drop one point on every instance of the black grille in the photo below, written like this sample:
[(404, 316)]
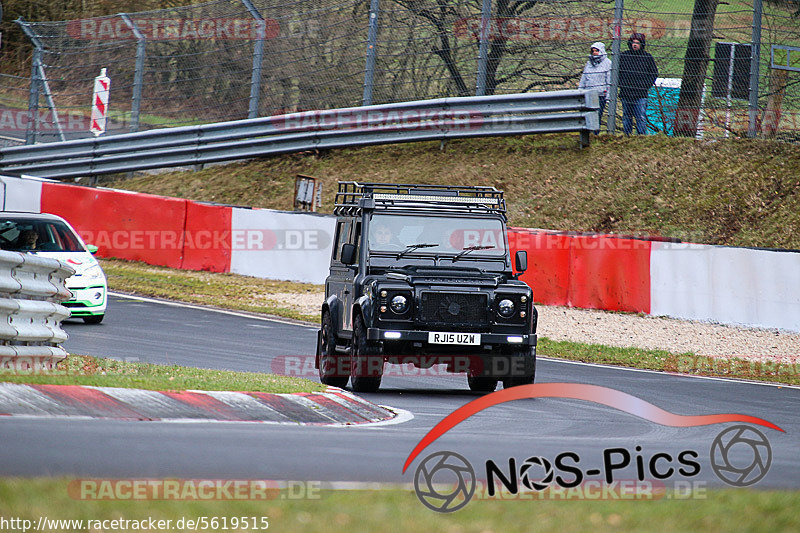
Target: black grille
[(454, 309)]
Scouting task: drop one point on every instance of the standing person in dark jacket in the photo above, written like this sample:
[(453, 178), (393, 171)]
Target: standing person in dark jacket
[(637, 73)]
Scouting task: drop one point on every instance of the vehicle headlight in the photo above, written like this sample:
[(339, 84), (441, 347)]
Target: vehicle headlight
[(505, 307), (94, 273), (399, 304)]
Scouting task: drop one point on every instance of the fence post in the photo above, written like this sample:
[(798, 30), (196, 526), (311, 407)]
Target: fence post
[(483, 49), (755, 58), (258, 58), (138, 76), (619, 11), (33, 99), (32, 128), (372, 41), (42, 78)]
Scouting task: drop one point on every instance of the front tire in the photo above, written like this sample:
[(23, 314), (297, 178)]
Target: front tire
[(330, 371), (366, 362), (481, 383), (93, 319), (529, 358)]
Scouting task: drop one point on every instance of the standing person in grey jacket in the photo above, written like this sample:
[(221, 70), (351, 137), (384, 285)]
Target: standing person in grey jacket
[(597, 75)]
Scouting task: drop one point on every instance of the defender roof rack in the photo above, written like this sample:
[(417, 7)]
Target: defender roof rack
[(353, 196)]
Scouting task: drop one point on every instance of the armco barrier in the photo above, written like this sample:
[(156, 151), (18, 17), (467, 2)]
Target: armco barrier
[(728, 285), (424, 120), (31, 289)]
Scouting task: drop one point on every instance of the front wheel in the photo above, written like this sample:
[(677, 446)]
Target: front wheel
[(93, 319), (366, 362), (526, 364), (330, 371), (481, 383)]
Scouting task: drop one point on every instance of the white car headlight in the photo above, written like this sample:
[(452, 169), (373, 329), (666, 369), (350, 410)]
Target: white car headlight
[(93, 273)]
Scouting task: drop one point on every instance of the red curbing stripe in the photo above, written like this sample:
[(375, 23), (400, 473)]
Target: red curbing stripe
[(290, 409), (342, 413), (361, 405), (89, 402), (214, 408)]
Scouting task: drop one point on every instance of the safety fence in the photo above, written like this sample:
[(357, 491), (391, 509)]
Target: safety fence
[(31, 291), (724, 68), (684, 280), (440, 119)]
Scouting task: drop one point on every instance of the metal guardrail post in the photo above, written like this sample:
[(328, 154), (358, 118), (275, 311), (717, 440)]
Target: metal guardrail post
[(755, 58), (42, 77), (619, 12), (483, 49), (372, 41), (258, 58), (138, 76)]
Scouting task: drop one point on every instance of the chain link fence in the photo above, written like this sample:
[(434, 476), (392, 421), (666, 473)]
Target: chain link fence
[(234, 59)]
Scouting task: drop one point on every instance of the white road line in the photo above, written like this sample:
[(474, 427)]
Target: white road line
[(203, 308), (580, 363), (674, 374)]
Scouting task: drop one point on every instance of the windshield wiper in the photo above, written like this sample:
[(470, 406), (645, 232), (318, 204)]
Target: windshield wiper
[(412, 247), (469, 249)]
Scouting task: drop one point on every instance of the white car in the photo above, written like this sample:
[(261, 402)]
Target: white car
[(51, 236)]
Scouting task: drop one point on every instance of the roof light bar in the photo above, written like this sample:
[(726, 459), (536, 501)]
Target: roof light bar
[(431, 198)]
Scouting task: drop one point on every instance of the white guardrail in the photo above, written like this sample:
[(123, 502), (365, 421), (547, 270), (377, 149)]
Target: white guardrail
[(31, 291)]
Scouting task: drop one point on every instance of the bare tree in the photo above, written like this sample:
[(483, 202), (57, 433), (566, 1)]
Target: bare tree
[(695, 67), (522, 59)]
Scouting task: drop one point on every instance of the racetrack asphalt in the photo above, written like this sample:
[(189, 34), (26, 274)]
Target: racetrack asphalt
[(546, 427)]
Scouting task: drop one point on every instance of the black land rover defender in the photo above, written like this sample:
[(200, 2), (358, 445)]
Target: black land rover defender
[(422, 274)]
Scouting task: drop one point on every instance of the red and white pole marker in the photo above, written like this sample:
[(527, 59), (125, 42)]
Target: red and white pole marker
[(102, 87)]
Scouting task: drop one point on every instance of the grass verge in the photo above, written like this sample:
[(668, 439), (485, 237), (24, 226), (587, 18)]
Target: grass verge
[(737, 192), (229, 291), (399, 510), (301, 301), (663, 361), (100, 372)]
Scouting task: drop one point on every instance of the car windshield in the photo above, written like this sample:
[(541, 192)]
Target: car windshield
[(436, 234), (37, 235)]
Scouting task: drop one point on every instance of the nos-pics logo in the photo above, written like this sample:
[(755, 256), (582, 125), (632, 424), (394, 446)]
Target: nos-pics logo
[(445, 481)]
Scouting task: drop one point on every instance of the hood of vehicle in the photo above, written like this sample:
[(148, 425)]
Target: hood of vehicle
[(80, 261), (446, 276)]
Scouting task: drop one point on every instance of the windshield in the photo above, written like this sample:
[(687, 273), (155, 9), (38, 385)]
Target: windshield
[(436, 234), (36, 235)]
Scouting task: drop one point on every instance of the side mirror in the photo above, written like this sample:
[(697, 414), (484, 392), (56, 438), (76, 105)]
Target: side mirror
[(348, 254), (521, 261), (91, 248)]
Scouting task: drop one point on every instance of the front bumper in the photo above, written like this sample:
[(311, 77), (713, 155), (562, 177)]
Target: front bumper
[(87, 301), (495, 339)]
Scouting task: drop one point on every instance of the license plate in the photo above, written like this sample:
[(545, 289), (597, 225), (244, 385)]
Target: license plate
[(443, 337)]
